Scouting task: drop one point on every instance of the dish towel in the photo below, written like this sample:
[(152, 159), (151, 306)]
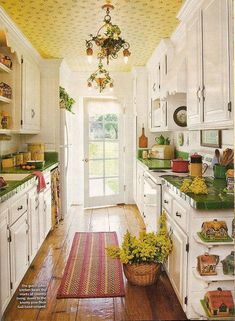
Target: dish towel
[(41, 180)]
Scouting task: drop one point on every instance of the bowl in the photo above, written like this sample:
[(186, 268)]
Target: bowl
[(37, 163)]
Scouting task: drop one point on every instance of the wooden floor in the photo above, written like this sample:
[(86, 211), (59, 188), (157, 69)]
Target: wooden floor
[(157, 302)]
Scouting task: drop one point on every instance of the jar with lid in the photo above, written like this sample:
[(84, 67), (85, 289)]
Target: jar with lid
[(196, 167)]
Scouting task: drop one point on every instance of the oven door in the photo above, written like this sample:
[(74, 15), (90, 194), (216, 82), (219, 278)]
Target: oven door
[(152, 204)]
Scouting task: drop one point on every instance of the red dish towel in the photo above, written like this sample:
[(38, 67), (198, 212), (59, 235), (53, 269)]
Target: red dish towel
[(41, 180)]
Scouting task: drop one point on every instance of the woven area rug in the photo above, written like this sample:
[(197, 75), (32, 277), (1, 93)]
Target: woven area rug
[(89, 272)]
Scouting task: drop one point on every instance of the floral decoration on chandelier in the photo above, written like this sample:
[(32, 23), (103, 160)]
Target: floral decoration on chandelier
[(108, 40), (100, 78)]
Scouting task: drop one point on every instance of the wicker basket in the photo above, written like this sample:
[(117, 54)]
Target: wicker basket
[(143, 273)]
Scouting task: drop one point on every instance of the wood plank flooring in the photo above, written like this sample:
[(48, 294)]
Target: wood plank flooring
[(156, 302)]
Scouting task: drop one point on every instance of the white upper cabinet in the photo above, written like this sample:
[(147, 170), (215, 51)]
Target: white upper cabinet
[(209, 65), (30, 121)]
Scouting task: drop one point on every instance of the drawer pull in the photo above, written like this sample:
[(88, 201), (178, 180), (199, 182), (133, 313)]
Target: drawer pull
[(178, 214), (166, 202), (48, 183), (20, 208)]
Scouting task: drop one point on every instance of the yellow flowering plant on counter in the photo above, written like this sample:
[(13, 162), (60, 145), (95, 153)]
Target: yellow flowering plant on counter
[(147, 248)]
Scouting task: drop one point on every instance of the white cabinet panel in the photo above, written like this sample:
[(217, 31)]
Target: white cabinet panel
[(30, 96), (47, 211), (5, 291), (33, 219), (215, 60), (19, 250), (140, 188)]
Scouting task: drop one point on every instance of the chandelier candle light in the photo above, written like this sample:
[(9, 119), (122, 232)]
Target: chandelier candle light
[(108, 40), (101, 78)]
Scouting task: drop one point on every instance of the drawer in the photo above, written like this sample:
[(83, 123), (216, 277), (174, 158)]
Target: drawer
[(179, 214), (18, 208), (167, 201)]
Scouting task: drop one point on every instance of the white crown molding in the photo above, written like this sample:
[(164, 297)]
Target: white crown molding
[(179, 34), (188, 9), (16, 35)]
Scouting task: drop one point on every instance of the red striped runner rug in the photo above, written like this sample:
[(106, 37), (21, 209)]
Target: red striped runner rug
[(89, 272)]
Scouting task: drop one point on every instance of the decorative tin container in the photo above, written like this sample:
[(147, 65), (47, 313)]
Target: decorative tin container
[(206, 264), (228, 264), (214, 230), (219, 303)]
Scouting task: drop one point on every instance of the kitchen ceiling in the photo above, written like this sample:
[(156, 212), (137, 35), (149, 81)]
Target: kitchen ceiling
[(59, 28)]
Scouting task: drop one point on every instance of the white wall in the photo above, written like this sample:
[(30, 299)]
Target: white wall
[(11, 146), (192, 141), (76, 85)]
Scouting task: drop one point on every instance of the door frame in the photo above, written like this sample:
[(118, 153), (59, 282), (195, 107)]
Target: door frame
[(99, 201)]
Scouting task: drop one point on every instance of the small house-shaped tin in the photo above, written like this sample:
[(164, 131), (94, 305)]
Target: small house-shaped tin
[(228, 264), (214, 230), (206, 264), (219, 303)]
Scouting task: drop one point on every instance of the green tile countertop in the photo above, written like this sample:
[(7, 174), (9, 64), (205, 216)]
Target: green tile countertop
[(154, 163), (215, 199), (14, 187)]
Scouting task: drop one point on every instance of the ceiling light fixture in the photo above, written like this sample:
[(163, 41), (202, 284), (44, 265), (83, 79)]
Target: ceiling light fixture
[(108, 39), (100, 78)]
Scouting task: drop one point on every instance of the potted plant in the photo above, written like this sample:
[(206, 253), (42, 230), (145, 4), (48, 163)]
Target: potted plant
[(65, 100), (142, 256)]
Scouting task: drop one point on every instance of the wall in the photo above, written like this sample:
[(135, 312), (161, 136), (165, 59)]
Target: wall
[(76, 85), (11, 146), (192, 141)]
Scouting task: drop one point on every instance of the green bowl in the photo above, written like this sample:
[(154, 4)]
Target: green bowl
[(37, 163)]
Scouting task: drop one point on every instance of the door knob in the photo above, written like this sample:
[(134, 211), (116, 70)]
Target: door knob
[(85, 160)]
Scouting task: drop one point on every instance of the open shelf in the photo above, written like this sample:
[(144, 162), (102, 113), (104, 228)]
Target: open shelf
[(4, 68), (211, 244), (5, 100), (212, 278)]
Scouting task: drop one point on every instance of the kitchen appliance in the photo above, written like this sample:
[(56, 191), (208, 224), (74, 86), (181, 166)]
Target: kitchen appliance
[(179, 165), (152, 201), (65, 158), (162, 151), (196, 167)]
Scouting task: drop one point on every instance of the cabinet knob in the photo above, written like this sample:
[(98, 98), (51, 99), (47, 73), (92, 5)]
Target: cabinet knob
[(20, 208), (166, 202), (178, 214)]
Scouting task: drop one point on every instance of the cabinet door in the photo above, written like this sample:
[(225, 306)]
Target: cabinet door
[(41, 218), (30, 96), (5, 291), (19, 250), (33, 219), (47, 211), (177, 261), (194, 72), (215, 31)]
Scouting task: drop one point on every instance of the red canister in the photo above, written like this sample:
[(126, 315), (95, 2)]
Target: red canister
[(179, 165)]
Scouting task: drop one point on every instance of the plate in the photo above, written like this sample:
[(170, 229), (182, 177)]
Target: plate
[(180, 116)]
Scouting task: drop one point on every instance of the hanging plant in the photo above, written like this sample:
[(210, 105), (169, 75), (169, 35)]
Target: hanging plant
[(65, 100)]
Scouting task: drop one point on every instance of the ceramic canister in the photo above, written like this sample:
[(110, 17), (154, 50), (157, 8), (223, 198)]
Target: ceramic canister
[(196, 168)]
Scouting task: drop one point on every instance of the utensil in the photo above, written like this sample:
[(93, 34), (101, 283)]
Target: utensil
[(227, 157), (217, 155)]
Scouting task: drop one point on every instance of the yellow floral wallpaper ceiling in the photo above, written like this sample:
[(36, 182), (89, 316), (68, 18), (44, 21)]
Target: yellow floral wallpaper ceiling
[(59, 28)]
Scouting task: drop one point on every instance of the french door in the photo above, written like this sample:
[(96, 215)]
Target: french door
[(103, 153)]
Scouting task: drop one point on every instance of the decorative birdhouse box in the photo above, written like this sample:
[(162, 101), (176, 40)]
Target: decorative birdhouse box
[(228, 264), (214, 230), (206, 264), (219, 303)]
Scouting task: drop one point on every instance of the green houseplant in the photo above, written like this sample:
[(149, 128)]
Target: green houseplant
[(65, 100), (142, 256)]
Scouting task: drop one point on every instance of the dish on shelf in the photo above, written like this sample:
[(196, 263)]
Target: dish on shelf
[(222, 240), (180, 116)]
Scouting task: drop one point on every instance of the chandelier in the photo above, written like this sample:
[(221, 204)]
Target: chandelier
[(100, 78), (108, 40)]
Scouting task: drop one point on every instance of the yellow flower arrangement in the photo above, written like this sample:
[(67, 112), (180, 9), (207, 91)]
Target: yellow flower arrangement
[(149, 247)]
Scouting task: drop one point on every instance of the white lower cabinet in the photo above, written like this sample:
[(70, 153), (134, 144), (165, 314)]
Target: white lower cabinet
[(177, 261), (140, 187), (18, 250), (25, 220), (184, 222), (33, 219), (5, 291)]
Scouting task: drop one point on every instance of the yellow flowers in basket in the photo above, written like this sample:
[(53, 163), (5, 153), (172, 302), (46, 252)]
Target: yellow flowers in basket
[(147, 248)]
